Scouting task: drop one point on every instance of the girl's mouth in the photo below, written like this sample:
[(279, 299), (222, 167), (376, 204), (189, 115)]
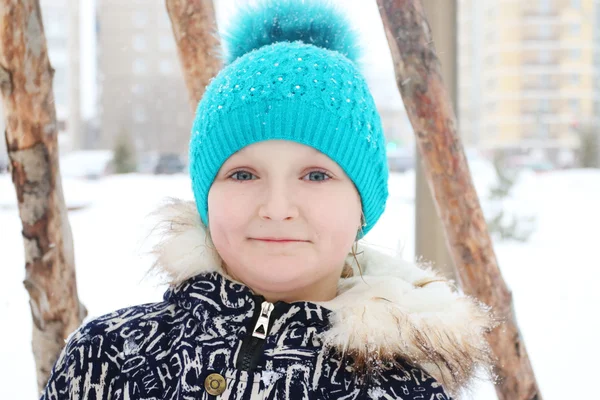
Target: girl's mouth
[(280, 240)]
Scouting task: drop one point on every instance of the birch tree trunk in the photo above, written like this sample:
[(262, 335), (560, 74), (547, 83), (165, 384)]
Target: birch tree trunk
[(31, 139), (430, 111), (195, 30)]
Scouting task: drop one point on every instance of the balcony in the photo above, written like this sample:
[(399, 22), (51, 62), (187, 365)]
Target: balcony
[(534, 36), (531, 60), (531, 11), (535, 85), (549, 116)]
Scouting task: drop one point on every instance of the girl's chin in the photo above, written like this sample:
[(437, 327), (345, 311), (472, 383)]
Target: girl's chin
[(278, 280), (281, 263), (277, 283)]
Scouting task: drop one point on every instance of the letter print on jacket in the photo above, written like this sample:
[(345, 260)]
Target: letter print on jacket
[(167, 350)]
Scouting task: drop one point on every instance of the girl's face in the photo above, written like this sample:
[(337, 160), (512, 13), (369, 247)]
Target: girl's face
[(283, 216)]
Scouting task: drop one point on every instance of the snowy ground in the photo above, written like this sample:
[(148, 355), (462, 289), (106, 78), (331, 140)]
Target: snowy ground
[(554, 277)]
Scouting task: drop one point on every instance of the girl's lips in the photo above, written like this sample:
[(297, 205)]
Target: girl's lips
[(269, 240)]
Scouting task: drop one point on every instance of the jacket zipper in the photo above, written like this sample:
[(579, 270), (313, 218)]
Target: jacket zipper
[(262, 325), (253, 344)]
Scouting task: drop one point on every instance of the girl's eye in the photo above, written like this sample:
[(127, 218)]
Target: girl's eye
[(242, 176), (314, 176), (318, 176)]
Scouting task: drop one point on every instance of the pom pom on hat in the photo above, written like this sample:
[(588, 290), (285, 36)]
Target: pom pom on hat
[(311, 22)]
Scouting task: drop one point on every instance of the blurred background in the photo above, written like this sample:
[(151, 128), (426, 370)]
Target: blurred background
[(527, 83)]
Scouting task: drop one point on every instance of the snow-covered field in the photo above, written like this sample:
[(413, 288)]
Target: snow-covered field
[(554, 277)]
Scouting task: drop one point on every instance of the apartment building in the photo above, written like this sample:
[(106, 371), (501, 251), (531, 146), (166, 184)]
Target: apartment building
[(141, 89), (61, 28), (529, 72)]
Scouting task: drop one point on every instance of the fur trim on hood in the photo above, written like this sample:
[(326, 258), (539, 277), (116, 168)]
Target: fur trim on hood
[(395, 309)]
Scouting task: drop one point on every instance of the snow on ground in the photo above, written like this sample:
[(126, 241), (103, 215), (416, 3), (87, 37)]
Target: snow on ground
[(553, 277)]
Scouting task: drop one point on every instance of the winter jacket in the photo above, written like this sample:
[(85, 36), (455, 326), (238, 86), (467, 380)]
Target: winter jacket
[(397, 332)]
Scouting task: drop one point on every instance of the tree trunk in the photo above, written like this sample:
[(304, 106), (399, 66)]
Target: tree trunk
[(31, 139), (194, 27), (430, 111)]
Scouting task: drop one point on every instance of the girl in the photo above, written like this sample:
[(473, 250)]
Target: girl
[(271, 296)]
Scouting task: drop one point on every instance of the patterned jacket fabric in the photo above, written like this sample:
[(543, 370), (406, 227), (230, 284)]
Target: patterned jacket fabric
[(395, 330), (167, 350)]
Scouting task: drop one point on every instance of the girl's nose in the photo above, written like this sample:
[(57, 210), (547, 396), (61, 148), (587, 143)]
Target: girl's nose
[(278, 204)]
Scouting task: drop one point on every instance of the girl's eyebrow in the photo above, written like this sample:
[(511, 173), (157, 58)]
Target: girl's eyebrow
[(247, 157)]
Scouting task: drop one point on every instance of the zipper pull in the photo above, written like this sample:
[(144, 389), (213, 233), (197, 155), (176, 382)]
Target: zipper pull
[(262, 325)]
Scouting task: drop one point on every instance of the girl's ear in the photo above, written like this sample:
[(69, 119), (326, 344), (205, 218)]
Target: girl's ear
[(363, 223)]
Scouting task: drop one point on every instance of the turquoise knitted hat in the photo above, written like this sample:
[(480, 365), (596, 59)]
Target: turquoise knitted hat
[(291, 74)]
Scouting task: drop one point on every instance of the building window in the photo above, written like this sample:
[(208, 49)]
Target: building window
[(574, 105), (544, 6), (544, 105), (60, 86), (139, 66), (54, 27), (138, 89), (576, 4), (139, 114), (60, 97), (575, 54), (166, 67), (542, 130), (575, 29), (59, 56), (544, 56), (166, 43), (545, 81), (139, 43), (575, 79), (544, 30), (140, 18), (164, 21)]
